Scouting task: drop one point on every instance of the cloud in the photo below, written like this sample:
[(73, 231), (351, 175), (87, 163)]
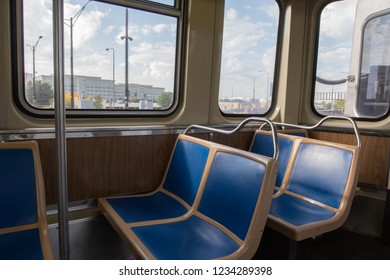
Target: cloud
[(336, 18), (85, 26), (153, 62), (249, 45), (109, 29), (241, 34), (38, 22), (231, 14)]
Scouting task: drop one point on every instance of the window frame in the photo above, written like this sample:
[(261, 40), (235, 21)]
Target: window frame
[(178, 11), (356, 79), (276, 68)]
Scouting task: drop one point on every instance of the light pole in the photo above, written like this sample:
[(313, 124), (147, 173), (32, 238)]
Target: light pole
[(113, 75), (128, 38), (254, 85), (33, 48), (72, 22), (267, 73)]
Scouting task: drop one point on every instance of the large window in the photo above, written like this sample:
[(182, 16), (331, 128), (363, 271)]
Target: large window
[(248, 56), (353, 64), (118, 60)]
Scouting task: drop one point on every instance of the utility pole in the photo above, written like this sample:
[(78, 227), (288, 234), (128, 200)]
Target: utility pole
[(33, 48), (113, 75), (72, 22), (128, 38)]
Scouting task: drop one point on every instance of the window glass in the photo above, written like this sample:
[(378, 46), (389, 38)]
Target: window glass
[(374, 82), (165, 2), (116, 58), (353, 63), (248, 56)]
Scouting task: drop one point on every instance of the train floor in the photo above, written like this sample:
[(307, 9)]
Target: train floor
[(95, 239), (341, 244)]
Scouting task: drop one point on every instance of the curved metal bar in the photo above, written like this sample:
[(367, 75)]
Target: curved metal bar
[(355, 128), (243, 123), (330, 82)]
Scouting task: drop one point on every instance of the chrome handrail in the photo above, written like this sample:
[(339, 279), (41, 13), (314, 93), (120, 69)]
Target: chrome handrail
[(354, 125), (243, 123)]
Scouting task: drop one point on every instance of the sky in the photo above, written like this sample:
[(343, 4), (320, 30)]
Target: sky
[(249, 44), (151, 53), (335, 43)]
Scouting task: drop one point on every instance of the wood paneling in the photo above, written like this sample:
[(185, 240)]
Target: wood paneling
[(376, 153), (105, 166), (240, 140)]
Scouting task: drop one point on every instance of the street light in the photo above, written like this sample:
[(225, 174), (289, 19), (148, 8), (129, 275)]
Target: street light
[(33, 48), (113, 75), (128, 38), (72, 22), (254, 85), (267, 73)]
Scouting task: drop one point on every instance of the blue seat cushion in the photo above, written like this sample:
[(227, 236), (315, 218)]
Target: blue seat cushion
[(17, 188), (21, 245), (321, 173), (232, 191), (146, 208), (263, 145), (191, 239), (186, 170), (298, 212)]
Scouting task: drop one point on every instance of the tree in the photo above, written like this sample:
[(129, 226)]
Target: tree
[(98, 102), (165, 100), (134, 99), (68, 96), (43, 94), (339, 104)]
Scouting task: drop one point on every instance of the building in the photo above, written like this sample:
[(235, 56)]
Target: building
[(84, 86), (138, 91), (88, 87)]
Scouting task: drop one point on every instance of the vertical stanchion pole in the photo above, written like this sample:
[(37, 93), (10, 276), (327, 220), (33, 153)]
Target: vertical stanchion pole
[(60, 127)]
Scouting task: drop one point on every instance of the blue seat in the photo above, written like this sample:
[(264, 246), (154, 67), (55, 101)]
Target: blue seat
[(317, 189), (227, 217), (262, 145), (23, 225), (175, 196)]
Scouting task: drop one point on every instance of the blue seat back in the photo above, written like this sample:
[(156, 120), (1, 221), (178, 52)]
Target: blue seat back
[(321, 173), (23, 225), (186, 170), (262, 144), (232, 190), (18, 200)]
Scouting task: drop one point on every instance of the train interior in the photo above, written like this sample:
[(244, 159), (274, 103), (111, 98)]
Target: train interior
[(225, 129)]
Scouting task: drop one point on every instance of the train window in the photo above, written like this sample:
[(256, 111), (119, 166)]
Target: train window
[(248, 56), (374, 82), (353, 62), (118, 60)]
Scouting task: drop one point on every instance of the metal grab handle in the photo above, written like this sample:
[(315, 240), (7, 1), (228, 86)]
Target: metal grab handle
[(244, 122), (355, 128)]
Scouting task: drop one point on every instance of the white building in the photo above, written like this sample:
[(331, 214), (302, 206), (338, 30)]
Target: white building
[(141, 92), (87, 86)]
